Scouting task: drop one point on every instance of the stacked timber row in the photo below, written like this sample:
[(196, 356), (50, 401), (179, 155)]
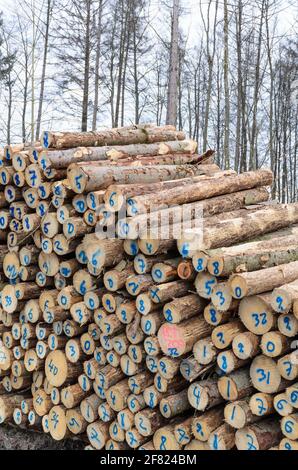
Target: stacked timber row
[(126, 329)]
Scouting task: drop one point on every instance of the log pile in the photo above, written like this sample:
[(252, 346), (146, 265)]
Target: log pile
[(120, 326)]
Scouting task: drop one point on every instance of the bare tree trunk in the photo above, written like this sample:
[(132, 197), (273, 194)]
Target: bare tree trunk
[(227, 88), (135, 78), (122, 48), (271, 98), (210, 58), (85, 103), (253, 163), (33, 72), (97, 60), (43, 72), (172, 100), (239, 84), (9, 109)]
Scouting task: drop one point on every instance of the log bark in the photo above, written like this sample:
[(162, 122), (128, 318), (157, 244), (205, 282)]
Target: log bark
[(223, 438), (119, 136), (155, 221), (256, 282), (116, 195), (89, 177), (239, 230), (255, 256), (259, 436), (206, 190)]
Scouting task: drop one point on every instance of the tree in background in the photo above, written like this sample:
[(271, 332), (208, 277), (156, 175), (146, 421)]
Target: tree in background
[(173, 74), (7, 80), (228, 82)]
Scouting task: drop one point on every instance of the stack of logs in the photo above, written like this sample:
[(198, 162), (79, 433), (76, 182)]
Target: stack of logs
[(125, 338)]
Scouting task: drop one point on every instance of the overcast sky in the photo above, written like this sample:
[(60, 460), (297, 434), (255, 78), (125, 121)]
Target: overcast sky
[(190, 23), (191, 19)]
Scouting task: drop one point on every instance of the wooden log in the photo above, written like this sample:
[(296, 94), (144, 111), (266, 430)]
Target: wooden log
[(186, 270), (165, 271), (89, 407), (183, 308), (75, 421), (42, 402), (238, 414), (136, 403), (223, 335), (252, 256), (283, 297), (7, 405), (191, 369), (176, 340), (169, 222), (151, 346), (288, 444), (228, 362), (236, 385), (203, 425), (120, 136), (221, 296), (116, 195), (259, 436), (148, 421), (134, 439), (106, 253), (281, 405), (216, 317), (98, 434), (137, 284), (229, 232), (138, 382), (204, 351), (106, 413), (117, 395), (129, 366), (288, 366), (109, 376), (164, 438), (288, 325), (72, 396), (223, 438), (206, 190), (292, 395), (256, 314), (197, 445), (204, 395), (115, 279), (174, 405), (183, 432), (165, 292), (150, 246), (151, 323), (59, 371), (265, 375), (118, 435), (246, 345), (263, 281), (274, 344), (261, 404), (89, 177)]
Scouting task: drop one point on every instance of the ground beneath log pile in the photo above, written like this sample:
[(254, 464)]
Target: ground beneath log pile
[(13, 438)]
